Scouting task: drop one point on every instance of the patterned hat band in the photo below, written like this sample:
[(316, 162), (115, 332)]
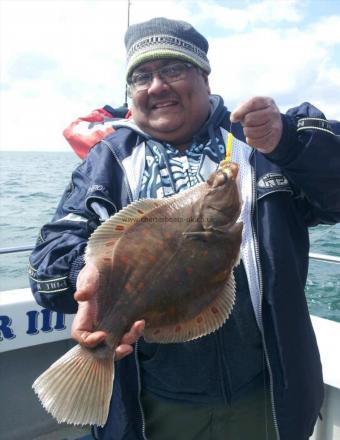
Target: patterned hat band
[(165, 46)]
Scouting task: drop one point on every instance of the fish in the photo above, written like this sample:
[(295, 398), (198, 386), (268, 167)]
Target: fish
[(167, 261)]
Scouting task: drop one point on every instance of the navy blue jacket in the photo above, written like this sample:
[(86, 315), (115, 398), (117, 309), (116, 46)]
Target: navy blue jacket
[(296, 186)]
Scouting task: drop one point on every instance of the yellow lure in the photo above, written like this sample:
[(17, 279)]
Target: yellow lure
[(229, 147)]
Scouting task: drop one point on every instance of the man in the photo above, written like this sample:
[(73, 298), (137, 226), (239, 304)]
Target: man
[(259, 376)]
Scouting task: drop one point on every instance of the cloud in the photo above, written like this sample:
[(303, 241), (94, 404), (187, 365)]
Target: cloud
[(326, 30), (30, 65), (238, 19), (61, 59), (288, 63)]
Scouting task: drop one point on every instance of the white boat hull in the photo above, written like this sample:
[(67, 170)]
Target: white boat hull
[(31, 338)]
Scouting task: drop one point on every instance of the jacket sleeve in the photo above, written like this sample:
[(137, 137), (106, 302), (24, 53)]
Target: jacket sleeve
[(59, 252), (309, 155)]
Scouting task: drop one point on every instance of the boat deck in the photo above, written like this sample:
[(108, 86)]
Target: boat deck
[(66, 433), (32, 338)]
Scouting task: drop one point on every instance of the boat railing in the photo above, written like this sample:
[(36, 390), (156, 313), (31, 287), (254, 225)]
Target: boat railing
[(16, 249), (312, 255)]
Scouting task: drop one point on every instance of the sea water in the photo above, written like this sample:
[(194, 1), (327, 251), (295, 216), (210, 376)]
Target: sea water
[(31, 184)]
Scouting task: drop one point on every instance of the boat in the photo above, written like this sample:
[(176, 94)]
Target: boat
[(31, 338)]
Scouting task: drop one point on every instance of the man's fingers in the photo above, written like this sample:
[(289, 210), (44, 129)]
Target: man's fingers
[(84, 294), (134, 333), (125, 346), (89, 339), (261, 122), (92, 339), (258, 118), (258, 132), (253, 104), (122, 351), (87, 283)]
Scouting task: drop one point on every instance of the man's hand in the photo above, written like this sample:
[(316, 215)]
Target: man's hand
[(86, 317), (261, 122), (128, 339)]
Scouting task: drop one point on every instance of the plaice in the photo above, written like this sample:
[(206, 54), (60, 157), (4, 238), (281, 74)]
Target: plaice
[(166, 261)]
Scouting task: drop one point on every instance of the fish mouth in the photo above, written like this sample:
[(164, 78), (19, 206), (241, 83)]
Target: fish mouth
[(229, 169)]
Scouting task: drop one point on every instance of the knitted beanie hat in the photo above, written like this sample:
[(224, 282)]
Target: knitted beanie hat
[(164, 38)]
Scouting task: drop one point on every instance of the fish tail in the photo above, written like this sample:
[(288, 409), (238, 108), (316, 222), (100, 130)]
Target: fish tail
[(77, 388)]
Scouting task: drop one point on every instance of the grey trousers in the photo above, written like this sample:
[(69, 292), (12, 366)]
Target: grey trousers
[(248, 419)]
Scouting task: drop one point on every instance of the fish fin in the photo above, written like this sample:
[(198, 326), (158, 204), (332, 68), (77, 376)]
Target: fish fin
[(180, 199), (207, 321), (77, 388), (103, 239)]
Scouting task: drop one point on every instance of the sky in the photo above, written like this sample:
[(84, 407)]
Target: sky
[(60, 59)]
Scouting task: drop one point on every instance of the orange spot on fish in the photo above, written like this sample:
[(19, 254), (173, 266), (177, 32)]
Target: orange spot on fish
[(205, 253), (141, 286), (124, 259), (107, 259), (156, 332), (151, 258), (214, 310), (189, 270), (199, 319), (120, 228), (178, 328)]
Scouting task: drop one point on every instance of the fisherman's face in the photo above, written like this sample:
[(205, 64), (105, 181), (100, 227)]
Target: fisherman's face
[(171, 112)]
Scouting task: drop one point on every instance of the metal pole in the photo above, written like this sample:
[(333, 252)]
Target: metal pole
[(322, 257), (128, 24), (13, 250)]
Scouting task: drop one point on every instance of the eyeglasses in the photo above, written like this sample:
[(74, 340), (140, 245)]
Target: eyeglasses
[(169, 74)]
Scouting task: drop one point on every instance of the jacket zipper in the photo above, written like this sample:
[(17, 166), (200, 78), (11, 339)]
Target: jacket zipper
[(126, 181), (257, 256), (139, 391), (260, 306)]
